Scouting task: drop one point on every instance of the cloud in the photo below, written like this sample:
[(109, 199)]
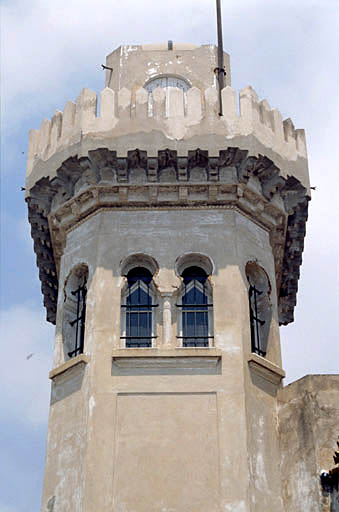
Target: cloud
[(24, 381), (51, 48), (5, 508)]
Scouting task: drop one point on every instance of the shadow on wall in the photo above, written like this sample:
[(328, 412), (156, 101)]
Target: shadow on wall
[(67, 383), (262, 383)]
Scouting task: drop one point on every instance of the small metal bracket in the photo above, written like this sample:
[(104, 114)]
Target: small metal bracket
[(106, 67), (220, 70)]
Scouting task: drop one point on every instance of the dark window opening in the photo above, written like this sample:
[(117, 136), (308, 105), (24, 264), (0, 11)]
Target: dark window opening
[(256, 322), (78, 323), (260, 307), (195, 308), (139, 309)]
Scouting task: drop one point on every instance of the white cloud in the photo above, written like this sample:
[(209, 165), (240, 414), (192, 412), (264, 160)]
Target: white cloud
[(24, 377), (50, 45), (5, 508)]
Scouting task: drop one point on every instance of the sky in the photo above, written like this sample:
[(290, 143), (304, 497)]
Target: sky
[(287, 50)]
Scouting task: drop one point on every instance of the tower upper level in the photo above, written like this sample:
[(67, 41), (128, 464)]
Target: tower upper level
[(134, 66), (153, 139), (161, 98)]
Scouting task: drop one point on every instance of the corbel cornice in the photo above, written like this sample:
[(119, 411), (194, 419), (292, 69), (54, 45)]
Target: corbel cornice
[(251, 185)]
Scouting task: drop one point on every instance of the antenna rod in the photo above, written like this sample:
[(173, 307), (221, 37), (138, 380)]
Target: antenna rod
[(220, 69)]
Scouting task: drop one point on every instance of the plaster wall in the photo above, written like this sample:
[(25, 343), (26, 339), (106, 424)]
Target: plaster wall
[(308, 430), (162, 439), (66, 442), (134, 65)]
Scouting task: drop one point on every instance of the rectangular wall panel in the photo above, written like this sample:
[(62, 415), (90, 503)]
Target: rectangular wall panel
[(166, 453)]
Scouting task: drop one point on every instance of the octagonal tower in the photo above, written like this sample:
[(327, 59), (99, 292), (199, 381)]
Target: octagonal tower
[(168, 240)]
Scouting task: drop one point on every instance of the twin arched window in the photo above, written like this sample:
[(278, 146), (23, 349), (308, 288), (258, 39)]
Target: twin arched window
[(195, 308)]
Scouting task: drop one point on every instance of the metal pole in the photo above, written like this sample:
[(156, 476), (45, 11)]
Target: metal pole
[(220, 69)]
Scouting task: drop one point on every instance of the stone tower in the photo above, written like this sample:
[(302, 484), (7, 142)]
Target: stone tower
[(168, 241)]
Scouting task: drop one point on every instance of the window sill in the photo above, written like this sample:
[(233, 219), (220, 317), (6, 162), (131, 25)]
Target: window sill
[(201, 360), (170, 352), (81, 359), (266, 369)]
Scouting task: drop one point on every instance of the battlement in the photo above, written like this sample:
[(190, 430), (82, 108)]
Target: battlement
[(180, 120)]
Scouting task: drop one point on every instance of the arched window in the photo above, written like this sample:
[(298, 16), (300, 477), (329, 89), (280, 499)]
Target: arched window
[(75, 311), (166, 82), (260, 307), (195, 322), (138, 309)]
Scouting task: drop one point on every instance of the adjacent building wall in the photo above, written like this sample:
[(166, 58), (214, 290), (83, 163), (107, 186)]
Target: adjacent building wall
[(308, 428)]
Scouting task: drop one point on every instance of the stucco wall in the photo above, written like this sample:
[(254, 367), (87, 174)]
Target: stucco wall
[(308, 427), (185, 434)]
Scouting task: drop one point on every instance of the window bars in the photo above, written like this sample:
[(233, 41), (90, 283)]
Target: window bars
[(256, 322), (139, 309), (79, 321), (195, 309)]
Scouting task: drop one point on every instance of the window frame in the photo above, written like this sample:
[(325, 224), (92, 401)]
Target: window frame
[(165, 84), (260, 307), (256, 323), (206, 306), (124, 311), (75, 312)]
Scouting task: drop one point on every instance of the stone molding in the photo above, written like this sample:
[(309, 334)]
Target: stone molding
[(251, 185), (81, 359), (126, 112), (181, 360), (125, 353), (266, 368)]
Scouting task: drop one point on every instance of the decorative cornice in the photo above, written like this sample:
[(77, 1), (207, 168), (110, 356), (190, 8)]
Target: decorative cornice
[(252, 185)]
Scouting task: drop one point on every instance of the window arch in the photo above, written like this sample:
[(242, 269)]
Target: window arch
[(195, 306), (137, 309), (260, 307), (75, 293), (166, 82)]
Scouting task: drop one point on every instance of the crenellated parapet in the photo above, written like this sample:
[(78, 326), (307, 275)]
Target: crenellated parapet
[(232, 180), (166, 118), (165, 104)]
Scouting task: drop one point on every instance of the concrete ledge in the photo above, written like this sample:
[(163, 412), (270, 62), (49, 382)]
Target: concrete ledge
[(78, 360), (163, 352), (155, 361), (265, 368)]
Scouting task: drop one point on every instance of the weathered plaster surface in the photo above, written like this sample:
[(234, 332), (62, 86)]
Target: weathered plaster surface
[(156, 423), (308, 430)]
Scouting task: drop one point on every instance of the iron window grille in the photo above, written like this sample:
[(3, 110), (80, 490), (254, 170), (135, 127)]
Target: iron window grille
[(256, 322), (79, 321), (195, 309), (139, 309)]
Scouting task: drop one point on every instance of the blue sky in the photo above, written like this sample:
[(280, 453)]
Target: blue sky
[(50, 50)]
